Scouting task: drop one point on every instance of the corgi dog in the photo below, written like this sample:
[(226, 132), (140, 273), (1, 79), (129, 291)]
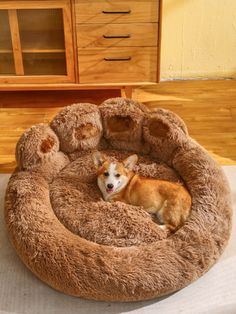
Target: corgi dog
[(169, 201)]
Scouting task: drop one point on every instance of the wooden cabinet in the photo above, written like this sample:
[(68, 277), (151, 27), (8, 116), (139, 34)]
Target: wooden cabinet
[(72, 44), (127, 31), (37, 42)]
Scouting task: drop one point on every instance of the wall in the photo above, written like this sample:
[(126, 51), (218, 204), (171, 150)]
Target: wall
[(198, 39)]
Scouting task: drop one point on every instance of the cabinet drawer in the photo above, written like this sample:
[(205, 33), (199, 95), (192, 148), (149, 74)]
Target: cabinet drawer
[(119, 35), (116, 11), (113, 65)]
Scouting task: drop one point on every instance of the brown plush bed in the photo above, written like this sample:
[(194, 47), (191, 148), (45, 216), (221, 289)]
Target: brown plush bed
[(83, 246)]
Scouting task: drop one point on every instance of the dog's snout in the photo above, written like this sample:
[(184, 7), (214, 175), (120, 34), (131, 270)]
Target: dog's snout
[(110, 186)]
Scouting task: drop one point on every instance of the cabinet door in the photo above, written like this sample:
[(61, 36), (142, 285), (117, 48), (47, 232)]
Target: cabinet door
[(6, 51), (37, 44)]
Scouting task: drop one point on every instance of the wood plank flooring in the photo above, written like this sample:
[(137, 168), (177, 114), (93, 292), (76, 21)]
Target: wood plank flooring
[(207, 107)]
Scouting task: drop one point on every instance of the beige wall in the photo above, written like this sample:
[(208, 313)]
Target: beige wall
[(198, 39)]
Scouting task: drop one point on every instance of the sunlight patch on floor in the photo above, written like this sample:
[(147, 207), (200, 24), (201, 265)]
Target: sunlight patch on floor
[(144, 96)]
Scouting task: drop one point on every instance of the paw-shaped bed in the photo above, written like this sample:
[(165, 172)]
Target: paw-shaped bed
[(73, 240)]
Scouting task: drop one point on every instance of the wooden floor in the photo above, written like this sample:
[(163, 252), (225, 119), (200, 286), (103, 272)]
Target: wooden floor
[(207, 107)]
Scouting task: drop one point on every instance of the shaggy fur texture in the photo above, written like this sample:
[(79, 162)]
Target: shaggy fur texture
[(122, 124), (77, 243), (38, 150), (78, 127)]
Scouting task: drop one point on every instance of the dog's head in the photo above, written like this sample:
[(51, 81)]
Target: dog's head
[(113, 176)]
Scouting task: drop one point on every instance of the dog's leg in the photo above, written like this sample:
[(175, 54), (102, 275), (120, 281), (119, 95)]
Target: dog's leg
[(159, 213), (163, 227), (171, 214), (151, 210)]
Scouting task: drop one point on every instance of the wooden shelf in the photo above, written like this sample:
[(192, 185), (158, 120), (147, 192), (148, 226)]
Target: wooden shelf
[(43, 50), (6, 51)]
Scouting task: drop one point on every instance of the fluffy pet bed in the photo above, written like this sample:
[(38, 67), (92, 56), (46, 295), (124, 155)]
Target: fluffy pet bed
[(83, 246)]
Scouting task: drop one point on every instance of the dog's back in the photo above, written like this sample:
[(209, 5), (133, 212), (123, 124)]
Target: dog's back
[(170, 201)]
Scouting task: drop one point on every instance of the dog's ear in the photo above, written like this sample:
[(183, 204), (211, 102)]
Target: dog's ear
[(98, 159), (130, 161)]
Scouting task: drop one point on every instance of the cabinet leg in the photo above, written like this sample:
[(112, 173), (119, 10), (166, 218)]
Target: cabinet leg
[(127, 92)]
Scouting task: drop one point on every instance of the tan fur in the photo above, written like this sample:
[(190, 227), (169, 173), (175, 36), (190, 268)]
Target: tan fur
[(170, 201)]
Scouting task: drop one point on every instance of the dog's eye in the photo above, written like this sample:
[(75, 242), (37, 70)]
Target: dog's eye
[(117, 175), (106, 174)]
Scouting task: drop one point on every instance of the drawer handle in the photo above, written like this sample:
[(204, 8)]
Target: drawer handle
[(116, 12), (118, 36), (118, 59)]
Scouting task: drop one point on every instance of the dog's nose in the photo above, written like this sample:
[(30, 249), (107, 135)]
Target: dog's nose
[(110, 186)]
